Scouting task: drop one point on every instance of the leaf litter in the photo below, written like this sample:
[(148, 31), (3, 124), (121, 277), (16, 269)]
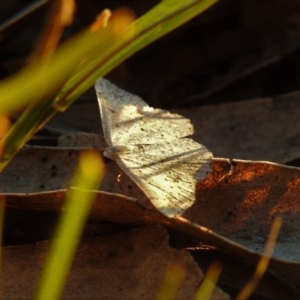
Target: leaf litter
[(229, 130), (240, 198), (234, 206), (228, 222), (102, 265)]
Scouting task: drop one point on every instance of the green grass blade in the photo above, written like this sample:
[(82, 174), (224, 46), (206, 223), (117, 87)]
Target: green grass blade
[(209, 282), (44, 78), (159, 21), (173, 280), (78, 203), (40, 112)]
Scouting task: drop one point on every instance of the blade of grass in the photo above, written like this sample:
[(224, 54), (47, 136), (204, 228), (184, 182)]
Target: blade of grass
[(163, 18), (78, 203), (115, 48), (171, 283), (209, 282), (43, 78), (39, 112), (262, 266)]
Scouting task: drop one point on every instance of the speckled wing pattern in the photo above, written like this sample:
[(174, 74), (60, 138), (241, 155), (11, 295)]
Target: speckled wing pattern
[(149, 146)]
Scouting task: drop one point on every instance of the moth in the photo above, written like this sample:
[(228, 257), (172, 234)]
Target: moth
[(151, 146)]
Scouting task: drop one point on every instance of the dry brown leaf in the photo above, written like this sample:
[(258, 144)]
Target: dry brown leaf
[(238, 201), (262, 129), (119, 209), (129, 265), (234, 205), (41, 169), (80, 139), (241, 204), (37, 169)]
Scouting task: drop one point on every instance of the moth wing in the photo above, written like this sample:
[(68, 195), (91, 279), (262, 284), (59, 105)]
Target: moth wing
[(167, 173), (127, 119)]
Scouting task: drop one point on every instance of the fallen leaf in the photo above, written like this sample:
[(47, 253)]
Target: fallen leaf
[(241, 200), (250, 129), (102, 266), (238, 200)]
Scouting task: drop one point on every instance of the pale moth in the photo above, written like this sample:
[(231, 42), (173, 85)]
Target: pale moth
[(151, 147)]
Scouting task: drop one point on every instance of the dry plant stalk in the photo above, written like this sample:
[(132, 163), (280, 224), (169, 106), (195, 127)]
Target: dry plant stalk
[(263, 263)]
